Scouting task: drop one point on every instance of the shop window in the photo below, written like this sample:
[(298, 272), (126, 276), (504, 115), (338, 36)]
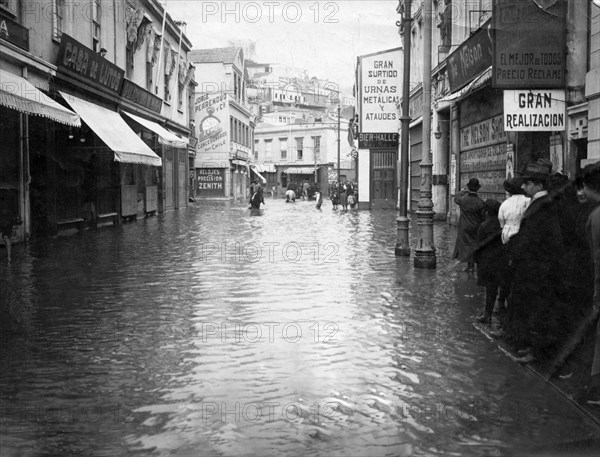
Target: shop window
[(268, 150), (180, 97)]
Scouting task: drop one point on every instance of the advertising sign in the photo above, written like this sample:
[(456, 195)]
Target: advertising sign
[(380, 92), (472, 57), (14, 33), (534, 110), (212, 115), (141, 96), (211, 181), (529, 45), (81, 60), (377, 140)]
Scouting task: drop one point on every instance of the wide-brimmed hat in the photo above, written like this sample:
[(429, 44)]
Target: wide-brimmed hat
[(513, 185), (536, 170), (473, 185)]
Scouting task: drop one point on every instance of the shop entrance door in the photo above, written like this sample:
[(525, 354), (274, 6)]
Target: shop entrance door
[(169, 182), (383, 179), (181, 180)]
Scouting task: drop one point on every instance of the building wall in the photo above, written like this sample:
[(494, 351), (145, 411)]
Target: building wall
[(592, 88)]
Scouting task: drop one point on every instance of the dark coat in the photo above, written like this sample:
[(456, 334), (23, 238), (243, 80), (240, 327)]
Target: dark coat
[(537, 254), (471, 217), (257, 198), (489, 253)]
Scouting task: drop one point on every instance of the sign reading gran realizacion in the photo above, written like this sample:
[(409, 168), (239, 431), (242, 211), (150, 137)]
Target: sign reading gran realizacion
[(534, 110), (529, 45)]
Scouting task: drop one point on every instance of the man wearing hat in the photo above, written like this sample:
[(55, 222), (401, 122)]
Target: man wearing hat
[(471, 217), (535, 312)]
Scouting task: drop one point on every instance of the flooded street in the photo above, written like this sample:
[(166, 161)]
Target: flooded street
[(217, 331)]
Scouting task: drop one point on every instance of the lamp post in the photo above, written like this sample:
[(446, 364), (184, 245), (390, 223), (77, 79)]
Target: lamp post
[(402, 246), (338, 148), (425, 251)]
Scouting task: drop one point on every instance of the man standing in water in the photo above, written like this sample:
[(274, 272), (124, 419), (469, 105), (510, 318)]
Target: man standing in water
[(471, 217)]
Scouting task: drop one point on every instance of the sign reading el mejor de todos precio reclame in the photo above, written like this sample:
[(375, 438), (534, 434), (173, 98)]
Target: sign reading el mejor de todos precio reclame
[(534, 110), (380, 86)]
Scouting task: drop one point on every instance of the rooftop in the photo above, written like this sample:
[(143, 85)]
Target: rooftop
[(215, 55)]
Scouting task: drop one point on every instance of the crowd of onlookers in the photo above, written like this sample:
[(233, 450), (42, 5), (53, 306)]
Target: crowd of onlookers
[(537, 255)]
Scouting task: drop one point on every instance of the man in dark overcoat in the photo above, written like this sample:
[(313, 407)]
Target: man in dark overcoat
[(471, 217), (535, 313)]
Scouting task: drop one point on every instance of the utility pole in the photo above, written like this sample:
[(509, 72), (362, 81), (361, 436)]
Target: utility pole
[(425, 250), (402, 246)]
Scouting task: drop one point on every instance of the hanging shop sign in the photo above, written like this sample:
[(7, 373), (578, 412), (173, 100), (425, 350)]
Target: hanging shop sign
[(74, 57), (534, 110), (529, 45), (377, 140), (471, 58), (141, 96), (14, 33), (379, 93), (211, 181)]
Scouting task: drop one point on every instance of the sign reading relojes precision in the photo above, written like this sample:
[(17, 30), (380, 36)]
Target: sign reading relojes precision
[(211, 181), (81, 60), (529, 45), (380, 85), (534, 110)]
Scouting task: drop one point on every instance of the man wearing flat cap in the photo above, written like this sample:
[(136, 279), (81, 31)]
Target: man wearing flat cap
[(535, 312), (471, 217)]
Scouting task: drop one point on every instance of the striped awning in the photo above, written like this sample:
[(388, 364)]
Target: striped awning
[(477, 82), (114, 132), (299, 170), (19, 94), (255, 170), (165, 136)]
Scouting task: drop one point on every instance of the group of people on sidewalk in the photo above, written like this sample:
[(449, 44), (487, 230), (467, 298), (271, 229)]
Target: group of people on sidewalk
[(347, 195), (537, 255)]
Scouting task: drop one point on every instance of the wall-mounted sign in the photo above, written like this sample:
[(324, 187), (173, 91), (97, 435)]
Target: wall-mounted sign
[(529, 45), (211, 181), (380, 91), (472, 57), (14, 33), (534, 110), (141, 96), (377, 140), (212, 117), (74, 57)]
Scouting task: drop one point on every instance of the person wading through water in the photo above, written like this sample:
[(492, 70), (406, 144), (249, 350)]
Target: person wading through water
[(471, 217)]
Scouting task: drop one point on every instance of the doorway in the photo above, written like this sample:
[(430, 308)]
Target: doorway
[(383, 178)]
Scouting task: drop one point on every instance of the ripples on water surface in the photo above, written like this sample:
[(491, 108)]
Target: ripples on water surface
[(308, 337)]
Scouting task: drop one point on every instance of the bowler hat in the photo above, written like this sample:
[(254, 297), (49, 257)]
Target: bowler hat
[(473, 185), (536, 170)]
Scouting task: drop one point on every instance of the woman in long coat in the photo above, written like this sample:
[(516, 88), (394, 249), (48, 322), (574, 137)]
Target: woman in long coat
[(490, 258), (471, 217)]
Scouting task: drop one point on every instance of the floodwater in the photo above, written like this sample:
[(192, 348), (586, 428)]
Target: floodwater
[(218, 331)]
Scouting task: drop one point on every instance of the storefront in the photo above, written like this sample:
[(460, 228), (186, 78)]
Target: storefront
[(99, 173), (26, 116)]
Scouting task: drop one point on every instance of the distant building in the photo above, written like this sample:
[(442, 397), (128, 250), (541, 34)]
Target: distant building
[(224, 124)]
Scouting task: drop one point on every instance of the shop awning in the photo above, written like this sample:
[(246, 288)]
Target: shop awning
[(19, 94), (114, 132), (300, 170), (258, 174), (165, 136), (477, 82)]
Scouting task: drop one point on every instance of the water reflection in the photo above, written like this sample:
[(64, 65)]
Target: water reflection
[(285, 331)]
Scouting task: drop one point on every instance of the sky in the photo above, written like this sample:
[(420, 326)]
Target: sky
[(322, 37)]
